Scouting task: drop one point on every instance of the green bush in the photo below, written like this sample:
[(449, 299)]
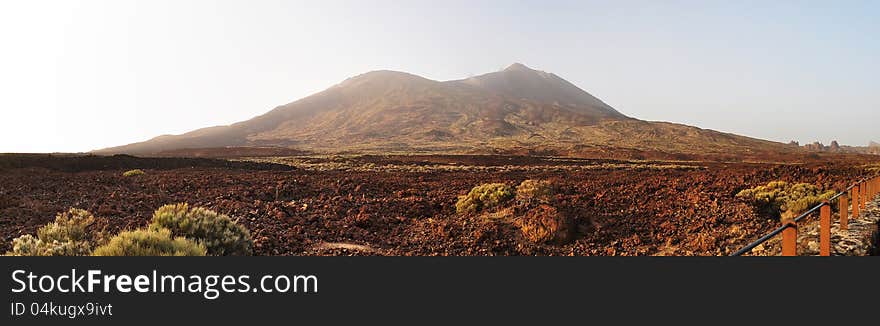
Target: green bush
[(131, 173), (484, 196), (221, 235), (68, 226), (535, 191), (149, 243), (66, 236), (786, 200)]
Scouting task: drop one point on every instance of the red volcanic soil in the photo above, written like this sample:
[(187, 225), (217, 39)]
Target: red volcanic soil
[(619, 209)]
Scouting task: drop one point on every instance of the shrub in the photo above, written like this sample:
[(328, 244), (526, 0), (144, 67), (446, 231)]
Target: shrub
[(28, 245), (544, 224), (68, 226), (484, 196), (131, 173), (538, 191), (149, 242), (66, 236), (221, 235), (783, 199)]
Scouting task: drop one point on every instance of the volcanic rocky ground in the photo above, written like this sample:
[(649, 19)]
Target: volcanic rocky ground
[(377, 205)]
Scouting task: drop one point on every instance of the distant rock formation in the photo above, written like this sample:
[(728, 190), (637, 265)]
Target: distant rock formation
[(835, 147), (815, 147)]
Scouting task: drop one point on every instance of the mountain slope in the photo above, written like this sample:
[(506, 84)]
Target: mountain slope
[(517, 109)]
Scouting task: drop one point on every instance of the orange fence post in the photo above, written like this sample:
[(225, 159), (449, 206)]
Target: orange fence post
[(870, 190), (871, 184), (873, 192), (789, 238), (874, 186), (844, 212), (864, 190), (855, 201), (825, 229)]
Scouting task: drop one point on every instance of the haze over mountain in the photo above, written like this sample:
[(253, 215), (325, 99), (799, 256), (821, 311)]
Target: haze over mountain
[(516, 110)]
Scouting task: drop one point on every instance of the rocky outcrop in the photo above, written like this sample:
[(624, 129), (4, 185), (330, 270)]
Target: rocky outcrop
[(835, 147)]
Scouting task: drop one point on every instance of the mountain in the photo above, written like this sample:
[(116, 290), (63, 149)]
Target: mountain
[(516, 110)]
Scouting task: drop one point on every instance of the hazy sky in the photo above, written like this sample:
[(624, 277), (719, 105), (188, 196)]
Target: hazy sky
[(83, 75)]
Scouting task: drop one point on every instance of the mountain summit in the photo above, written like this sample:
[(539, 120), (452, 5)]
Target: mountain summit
[(520, 82), (515, 110)]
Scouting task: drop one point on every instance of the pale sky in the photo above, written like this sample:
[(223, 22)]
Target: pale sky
[(83, 75)]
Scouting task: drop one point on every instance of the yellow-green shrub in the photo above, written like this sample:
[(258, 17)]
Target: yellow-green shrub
[(66, 236), (145, 242), (131, 173), (221, 235), (785, 199), (68, 226), (535, 191), (484, 196), (28, 245)]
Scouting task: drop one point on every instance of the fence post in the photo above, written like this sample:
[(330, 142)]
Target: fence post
[(873, 192), (874, 187), (825, 229), (789, 238), (870, 189), (864, 190), (844, 212), (855, 201)]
